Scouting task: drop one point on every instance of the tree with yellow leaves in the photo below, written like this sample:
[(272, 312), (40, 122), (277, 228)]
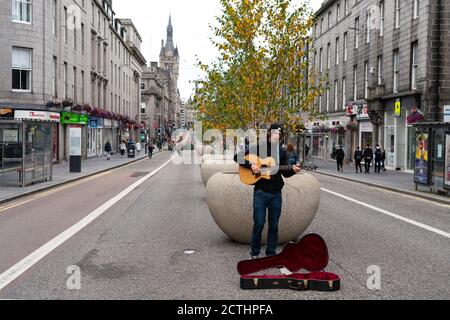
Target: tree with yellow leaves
[(262, 74)]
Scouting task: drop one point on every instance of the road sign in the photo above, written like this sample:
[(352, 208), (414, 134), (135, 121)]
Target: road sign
[(398, 108)]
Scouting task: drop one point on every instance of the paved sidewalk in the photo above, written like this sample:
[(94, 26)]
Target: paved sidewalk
[(61, 174), (398, 181)]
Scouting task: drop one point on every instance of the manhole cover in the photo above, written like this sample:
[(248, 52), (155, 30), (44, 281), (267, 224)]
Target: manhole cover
[(140, 174)]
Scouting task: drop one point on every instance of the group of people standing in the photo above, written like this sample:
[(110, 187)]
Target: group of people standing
[(368, 155), (149, 147)]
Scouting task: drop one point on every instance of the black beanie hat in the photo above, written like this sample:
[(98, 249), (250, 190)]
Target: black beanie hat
[(276, 126)]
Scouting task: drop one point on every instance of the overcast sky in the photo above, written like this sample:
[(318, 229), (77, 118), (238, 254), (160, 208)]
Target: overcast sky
[(190, 20)]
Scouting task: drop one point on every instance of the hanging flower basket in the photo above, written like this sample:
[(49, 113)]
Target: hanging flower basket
[(324, 129), (78, 108), (414, 117), (54, 103), (87, 107), (352, 126), (338, 129), (67, 103)]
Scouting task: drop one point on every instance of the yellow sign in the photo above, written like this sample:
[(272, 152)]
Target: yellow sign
[(398, 109)]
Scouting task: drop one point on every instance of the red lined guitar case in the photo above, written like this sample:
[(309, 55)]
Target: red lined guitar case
[(310, 254)]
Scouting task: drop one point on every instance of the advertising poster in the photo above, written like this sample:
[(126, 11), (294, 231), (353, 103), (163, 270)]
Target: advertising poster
[(422, 170), (447, 161), (75, 140)]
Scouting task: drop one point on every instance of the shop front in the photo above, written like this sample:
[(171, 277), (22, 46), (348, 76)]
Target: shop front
[(399, 135), (95, 137), (27, 149)]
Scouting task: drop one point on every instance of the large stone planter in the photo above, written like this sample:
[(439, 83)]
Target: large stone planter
[(231, 205), (212, 166)]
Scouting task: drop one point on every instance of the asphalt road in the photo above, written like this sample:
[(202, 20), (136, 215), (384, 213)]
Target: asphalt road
[(137, 248)]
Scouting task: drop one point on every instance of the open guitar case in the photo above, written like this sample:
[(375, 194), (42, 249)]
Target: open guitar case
[(310, 254)]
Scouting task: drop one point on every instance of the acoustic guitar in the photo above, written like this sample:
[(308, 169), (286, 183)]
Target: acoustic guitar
[(267, 166)]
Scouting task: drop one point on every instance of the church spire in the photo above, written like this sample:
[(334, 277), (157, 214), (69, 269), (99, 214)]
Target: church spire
[(169, 41)]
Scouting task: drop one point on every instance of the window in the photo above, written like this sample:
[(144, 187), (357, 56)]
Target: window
[(329, 20), (366, 79), (345, 47), (328, 55), (321, 60), (74, 86), (21, 69), (75, 33), (338, 12), (381, 18), (65, 80), (54, 16), (321, 26), (21, 11), (414, 65), (397, 14), (337, 51), (396, 70), (368, 17), (328, 97), (356, 33), (344, 93), (315, 63), (355, 82), (142, 86), (55, 77), (345, 7), (336, 95), (320, 103), (65, 25), (82, 38), (416, 9), (380, 70), (83, 94)]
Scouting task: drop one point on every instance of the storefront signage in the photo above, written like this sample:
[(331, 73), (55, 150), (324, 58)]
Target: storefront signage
[(36, 115), (74, 118), (446, 113), (95, 123), (11, 135), (75, 140), (366, 126), (352, 110), (363, 112), (447, 161), (422, 168), (398, 109)]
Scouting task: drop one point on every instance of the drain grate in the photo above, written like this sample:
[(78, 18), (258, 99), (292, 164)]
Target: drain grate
[(139, 174)]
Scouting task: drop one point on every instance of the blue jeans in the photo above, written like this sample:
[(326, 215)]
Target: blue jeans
[(261, 202)]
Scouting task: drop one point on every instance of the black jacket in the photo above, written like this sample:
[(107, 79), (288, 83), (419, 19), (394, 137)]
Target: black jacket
[(276, 183), (368, 154), (108, 147), (340, 154), (358, 155), (378, 155)]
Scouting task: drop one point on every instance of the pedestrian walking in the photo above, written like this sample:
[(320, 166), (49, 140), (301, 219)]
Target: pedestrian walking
[(138, 147), (340, 156), (151, 147), (383, 159), (368, 156), (123, 148), (358, 158), (108, 150), (267, 196), (378, 155), (146, 147)]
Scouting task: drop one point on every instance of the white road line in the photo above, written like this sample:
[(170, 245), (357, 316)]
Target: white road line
[(396, 216), (19, 268)]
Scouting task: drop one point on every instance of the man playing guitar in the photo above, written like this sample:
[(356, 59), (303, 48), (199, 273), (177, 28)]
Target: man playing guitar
[(267, 194)]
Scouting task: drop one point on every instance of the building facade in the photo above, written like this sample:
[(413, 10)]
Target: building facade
[(71, 57), (383, 62)]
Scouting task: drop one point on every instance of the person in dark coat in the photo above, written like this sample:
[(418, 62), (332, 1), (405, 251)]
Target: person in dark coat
[(383, 159), (267, 196), (340, 156), (368, 156), (108, 150), (358, 158), (378, 155)]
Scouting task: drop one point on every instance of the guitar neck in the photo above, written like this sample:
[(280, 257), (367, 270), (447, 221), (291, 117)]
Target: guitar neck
[(253, 266)]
